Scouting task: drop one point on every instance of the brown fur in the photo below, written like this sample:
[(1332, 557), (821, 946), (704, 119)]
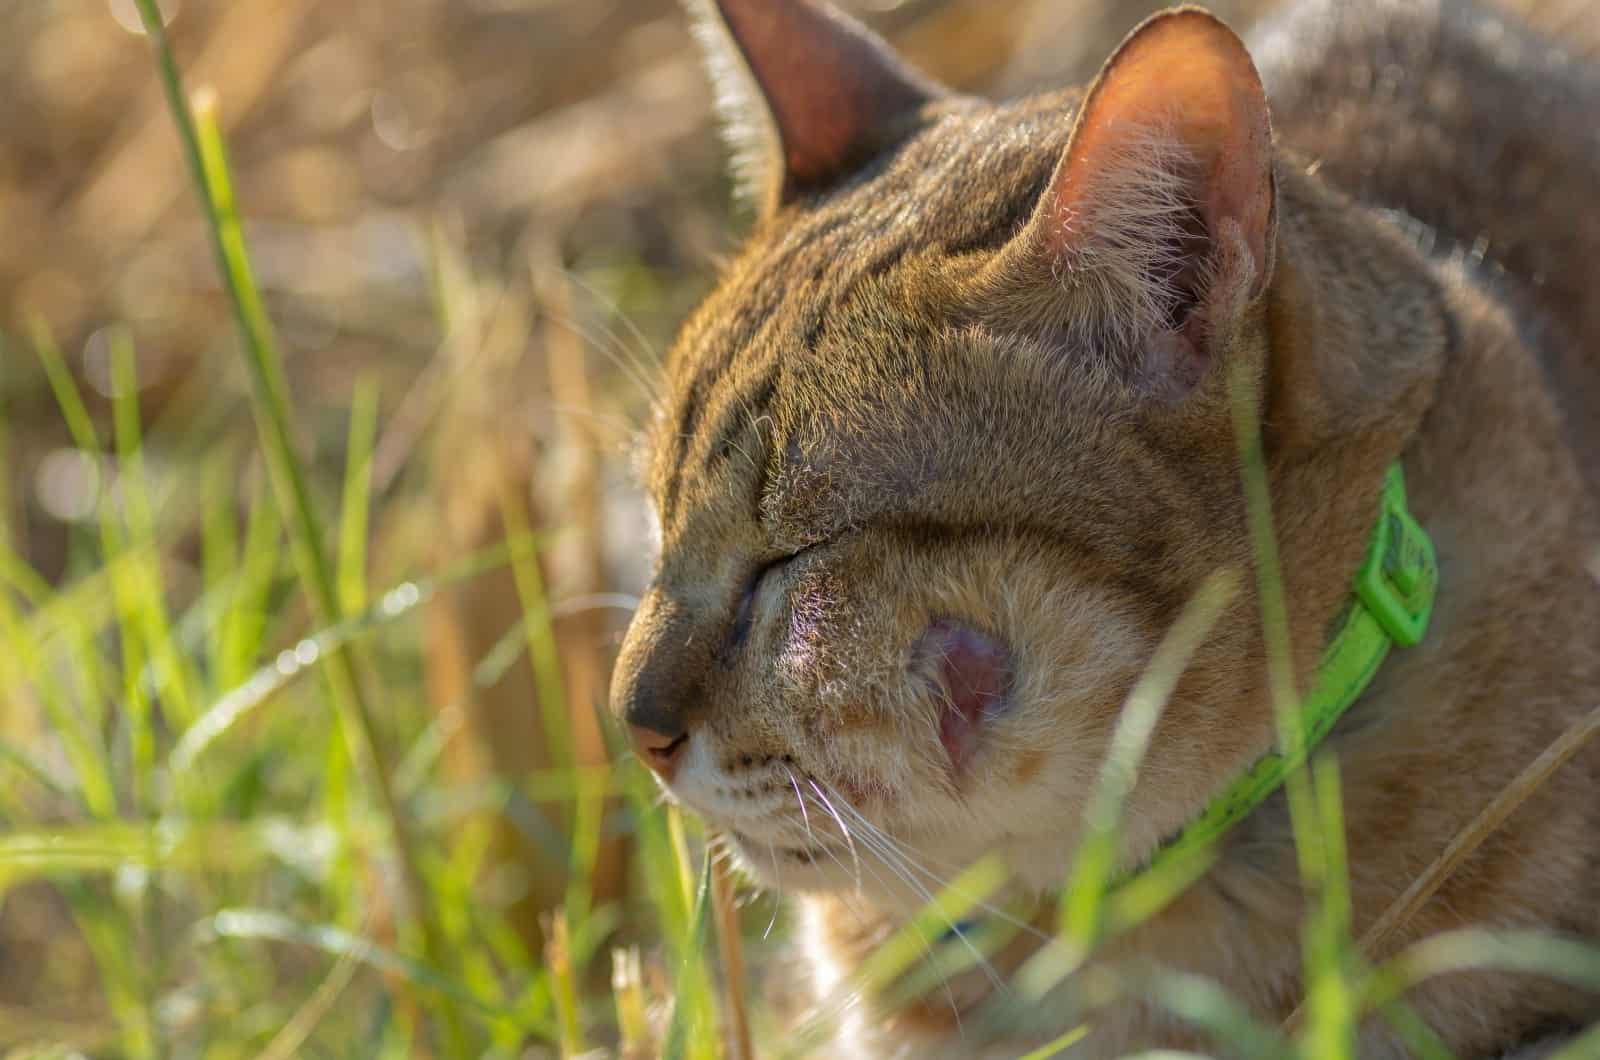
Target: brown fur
[(880, 418)]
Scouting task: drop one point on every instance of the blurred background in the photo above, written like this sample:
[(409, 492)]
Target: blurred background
[(475, 224)]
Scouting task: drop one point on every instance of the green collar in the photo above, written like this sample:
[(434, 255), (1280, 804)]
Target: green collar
[(1391, 604)]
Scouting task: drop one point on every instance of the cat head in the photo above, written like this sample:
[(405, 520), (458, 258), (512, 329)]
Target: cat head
[(951, 443)]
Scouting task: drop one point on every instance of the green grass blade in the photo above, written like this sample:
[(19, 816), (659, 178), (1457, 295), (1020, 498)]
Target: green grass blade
[(266, 925), (1423, 1041), (356, 504), (80, 425), (1205, 1004), (351, 576), (1317, 849), (627, 991), (564, 986), (255, 686), (1083, 900), (1059, 1045), (204, 153), (590, 788), (219, 551), (1330, 997), (1089, 904), (542, 651), (1274, 613), (24, 674), (955, 902), (1472, 949), (1133, 902), (22, 579), (28, 764), (244, 620), (10, 505), (127, 588), (126, 985), (691, 1031), (96, 848), (174, 680)]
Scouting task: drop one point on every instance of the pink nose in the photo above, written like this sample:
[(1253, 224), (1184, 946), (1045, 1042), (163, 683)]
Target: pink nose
[(660, 751)]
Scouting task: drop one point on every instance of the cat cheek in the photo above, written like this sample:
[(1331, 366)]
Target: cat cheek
[(971, 672)]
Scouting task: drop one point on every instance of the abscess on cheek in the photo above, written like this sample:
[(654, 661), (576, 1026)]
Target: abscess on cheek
[(972, 673)]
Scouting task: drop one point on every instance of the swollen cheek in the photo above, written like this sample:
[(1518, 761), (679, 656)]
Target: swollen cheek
[(972, 672)]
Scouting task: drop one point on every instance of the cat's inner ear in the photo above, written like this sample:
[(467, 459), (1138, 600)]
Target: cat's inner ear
[(1159, 217), (805, 92)]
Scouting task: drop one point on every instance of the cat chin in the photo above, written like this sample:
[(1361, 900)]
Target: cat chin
[(818, 869), (834, 868)]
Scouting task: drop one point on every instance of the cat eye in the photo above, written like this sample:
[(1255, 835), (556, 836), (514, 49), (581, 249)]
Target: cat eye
[(745, 616)]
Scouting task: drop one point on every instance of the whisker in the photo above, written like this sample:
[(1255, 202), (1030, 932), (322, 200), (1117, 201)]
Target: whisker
[(622, 430), (895, 864), (910, 860), (848, 838), (630, 370), (927, 945), (800, 797), (777, 871), (555, 282), (811, 836), (650, 357), (891, 861)]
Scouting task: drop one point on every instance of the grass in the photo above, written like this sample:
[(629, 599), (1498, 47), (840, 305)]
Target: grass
[(238, 804)]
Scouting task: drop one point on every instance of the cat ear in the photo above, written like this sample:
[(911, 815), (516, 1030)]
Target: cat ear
[(1160, 216), (805, 92)]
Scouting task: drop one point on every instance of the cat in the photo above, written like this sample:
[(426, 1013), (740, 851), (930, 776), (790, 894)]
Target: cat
[(952, 442)]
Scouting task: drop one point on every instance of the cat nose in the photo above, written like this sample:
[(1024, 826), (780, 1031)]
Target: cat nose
[(661, 751), (657, 686), (659, 735)]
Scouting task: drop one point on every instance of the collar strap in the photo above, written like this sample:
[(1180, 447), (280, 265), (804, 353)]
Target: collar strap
[(1390, 605)]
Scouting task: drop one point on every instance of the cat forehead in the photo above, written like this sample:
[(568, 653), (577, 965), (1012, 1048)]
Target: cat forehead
[(965, 182), (875, 256)]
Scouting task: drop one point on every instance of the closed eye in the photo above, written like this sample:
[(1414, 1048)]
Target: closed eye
[(744, 617)]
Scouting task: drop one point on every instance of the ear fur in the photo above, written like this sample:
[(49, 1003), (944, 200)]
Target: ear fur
[(1158, 226), (804, 92)]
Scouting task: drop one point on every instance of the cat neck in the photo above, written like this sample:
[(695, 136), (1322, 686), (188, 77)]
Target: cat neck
[(1447, 724)]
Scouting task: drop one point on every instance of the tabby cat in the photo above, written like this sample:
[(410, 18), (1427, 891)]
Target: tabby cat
[(953, 441)]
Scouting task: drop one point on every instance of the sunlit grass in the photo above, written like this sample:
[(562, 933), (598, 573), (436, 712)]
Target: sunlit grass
[(239, 803)]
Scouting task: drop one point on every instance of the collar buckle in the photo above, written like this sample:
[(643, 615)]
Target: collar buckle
[(1400, 574)]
